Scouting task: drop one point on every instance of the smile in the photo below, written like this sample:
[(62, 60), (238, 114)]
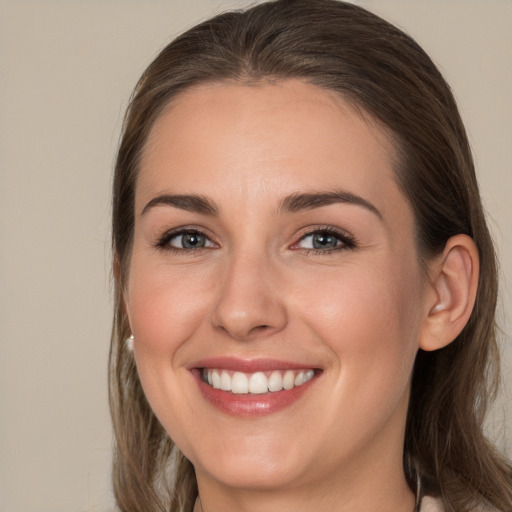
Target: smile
[(241, 383), (253, 388)]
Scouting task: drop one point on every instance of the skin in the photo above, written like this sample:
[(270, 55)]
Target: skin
[(258, 290)]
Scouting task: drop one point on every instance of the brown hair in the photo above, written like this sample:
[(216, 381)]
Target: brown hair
[(384, 73)]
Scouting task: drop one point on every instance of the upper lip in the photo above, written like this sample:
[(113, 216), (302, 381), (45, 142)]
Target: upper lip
[(250, 365)]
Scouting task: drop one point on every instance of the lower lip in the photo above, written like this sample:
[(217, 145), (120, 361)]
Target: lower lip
[(251, 405)]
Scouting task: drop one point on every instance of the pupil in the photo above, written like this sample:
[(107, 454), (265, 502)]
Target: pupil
[(193, 240), (324, 240)]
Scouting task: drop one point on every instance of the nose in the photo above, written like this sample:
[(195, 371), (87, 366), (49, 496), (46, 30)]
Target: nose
[(250, 302)]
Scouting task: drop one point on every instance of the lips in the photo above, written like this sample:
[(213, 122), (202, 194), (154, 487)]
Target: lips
[(253, 388)]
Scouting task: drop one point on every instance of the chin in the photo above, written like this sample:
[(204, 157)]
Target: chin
[(255, 477), (256, 469)]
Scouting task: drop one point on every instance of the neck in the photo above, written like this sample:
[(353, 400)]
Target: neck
[(379, 490)]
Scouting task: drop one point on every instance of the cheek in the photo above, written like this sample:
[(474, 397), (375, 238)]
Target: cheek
[(384, 298), (370, 318), (165, 306), (165, 309)]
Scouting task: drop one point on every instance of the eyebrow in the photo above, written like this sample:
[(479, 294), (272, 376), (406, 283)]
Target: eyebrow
[(189, 202), (308, 201), (293, 203)]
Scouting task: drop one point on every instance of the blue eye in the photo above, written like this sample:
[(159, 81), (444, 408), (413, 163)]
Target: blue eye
[(325, 240), (185, 240), (319, 241)]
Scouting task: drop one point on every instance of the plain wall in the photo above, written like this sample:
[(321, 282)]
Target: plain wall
[(66, 72)]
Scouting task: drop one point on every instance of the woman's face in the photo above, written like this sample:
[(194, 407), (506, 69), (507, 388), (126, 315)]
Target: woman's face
[(274, 250)]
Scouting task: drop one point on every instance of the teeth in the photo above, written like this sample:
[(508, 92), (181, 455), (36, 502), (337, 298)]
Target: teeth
[(289, 380), (275, 381), (256, 383), (216, 379), (225, 381), (239, 383)]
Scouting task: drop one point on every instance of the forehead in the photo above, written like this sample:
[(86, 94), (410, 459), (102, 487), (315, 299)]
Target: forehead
[(257, 139)]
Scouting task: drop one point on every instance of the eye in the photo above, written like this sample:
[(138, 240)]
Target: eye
[(325, 240), (189, 239)]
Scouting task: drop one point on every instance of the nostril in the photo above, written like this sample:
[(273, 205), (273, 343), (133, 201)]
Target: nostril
[(259, 328), (246, 334)]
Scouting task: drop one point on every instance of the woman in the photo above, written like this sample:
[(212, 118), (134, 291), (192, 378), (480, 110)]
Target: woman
[(305, 274)]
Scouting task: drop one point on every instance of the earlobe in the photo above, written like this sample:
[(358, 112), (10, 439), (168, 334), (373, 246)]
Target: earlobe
[(454, 286)]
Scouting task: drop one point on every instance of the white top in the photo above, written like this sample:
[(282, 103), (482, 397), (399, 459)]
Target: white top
[(429, 504)]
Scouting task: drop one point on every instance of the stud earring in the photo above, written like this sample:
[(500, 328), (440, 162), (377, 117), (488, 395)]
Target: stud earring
[(129, 343), (437, 308)]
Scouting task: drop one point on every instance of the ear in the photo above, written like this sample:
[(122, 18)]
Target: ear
[(452, 292)]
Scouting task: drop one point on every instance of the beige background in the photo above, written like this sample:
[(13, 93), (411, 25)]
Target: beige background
[(66, 72)]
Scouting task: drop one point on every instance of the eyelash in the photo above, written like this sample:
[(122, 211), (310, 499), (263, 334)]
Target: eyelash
[(164, 242), (347, 242)]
